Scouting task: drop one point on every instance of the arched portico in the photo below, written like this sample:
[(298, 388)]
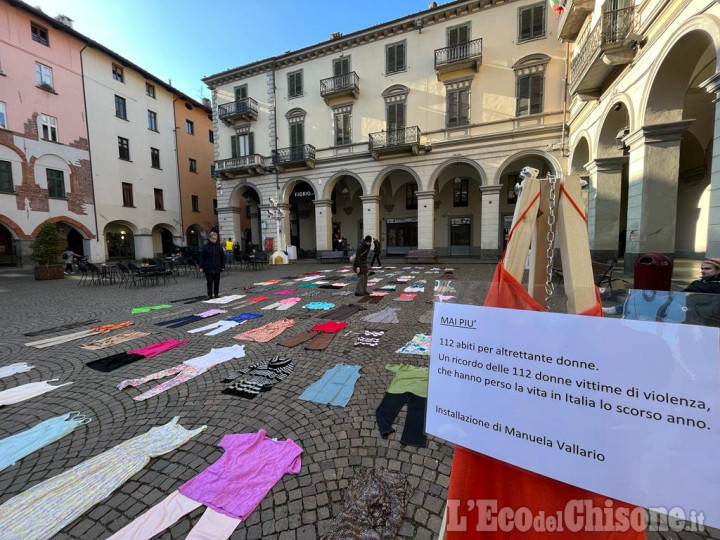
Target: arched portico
[(405, 213), (120, 241), (242, 221), (297, 196)]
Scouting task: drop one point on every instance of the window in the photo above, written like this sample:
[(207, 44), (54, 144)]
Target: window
[(120, 107), (43, 76), (159, 203), (297, 134), (152, 120), (149, 90), (460, 192), (395, 116), (241, 92), (155, 158), (457, 35), (211, 136), (531, 22), (195, 203), (395, 58), (3, 116), (343, 125), (193, 165), (190, 127), (117, 73), (530, 94), (56, 184), (6, 181), (341, 66), (295, 84), (48, 128), (457, 104), (242, 145), (39, 34), (123, 148), (214, 206), (411, 196), (127, 192)]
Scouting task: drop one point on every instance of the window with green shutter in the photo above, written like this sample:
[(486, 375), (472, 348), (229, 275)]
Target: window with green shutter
[(531, 22), (241, 92), (395, 58), (6, 181), (56, 184), (341, 66), (457, 35), (458, 107), (530, 93), (295, 84), (343, 122)]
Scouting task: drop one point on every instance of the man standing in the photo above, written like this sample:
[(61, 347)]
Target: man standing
[(376, 253), (212, 262), (360, 265), (228, 249)]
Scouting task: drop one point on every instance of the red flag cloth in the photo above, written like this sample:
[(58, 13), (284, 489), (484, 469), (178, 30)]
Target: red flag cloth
[(475, 477)]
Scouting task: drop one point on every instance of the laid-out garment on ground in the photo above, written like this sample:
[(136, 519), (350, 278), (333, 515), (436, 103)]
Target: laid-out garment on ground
[(12, 369), (319, 305), (427, 317), (284, 292), (27, 391), (224, 299), (320, 342), (211, 526), (244, 317), (182, 321), (375, 504), (444, 287), (260, 377), (407, 378), (214, 328), (185, 371), (113, 340), (283, 305), (149, 308), (68, 326), (298, 339), (343, 293), (189, 299), (111, 363), (417, 287), (443, 297), (310, 293), (419, 344), (414, 430), (343, 312), (266, 332), (370, 299), (386, 316), (369, 338), (335, 387), (258, 298), (43, 510), (405, 297), (16, 447), (57, 340)]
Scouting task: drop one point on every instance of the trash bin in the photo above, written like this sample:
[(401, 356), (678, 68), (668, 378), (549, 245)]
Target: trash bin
[(269, 245), (292, 252), (653, 272)]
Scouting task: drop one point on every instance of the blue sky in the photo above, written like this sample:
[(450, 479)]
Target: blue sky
[(185, 40)]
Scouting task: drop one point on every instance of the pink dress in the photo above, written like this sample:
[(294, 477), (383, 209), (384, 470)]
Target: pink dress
[(251, 465)]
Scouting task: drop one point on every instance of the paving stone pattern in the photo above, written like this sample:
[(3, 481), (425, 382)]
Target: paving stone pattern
[(335, 440)]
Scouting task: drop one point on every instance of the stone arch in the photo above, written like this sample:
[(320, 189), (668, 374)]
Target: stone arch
[(452, 161), (288, 186), (295, 113), (377, 182), (554, 163), (615, 121), (87, 234), (395, 90), (238, 189), (333, 180), (167, 226), (580, 155), (663, 97), (531, 60), (13, 227), (133, 228)]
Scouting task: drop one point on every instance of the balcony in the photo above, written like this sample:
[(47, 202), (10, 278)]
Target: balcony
[(609, 45), (243, 109), (294, 157), (346, 85), (462, 56), (575, 15), (251, 165), (397, 141)]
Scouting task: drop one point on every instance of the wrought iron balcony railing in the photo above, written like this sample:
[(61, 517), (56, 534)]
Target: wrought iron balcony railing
[(458, 53), (293, 153), (394, 137), (241, 107), (239, 163), (347, 82), (612, 28)]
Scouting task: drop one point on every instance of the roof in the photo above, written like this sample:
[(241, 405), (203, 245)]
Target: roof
[(51, 21)]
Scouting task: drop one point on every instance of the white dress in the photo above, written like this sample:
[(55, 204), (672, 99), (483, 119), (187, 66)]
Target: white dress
[(43, 510), (27, 391)]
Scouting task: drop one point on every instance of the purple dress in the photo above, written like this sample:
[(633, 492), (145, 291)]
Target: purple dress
[(237, 482)]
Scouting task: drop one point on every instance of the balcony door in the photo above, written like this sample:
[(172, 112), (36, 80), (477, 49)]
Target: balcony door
[(457, 39), (242, 145), (396, 123), (297, 140), (341, 66), (616, 20)]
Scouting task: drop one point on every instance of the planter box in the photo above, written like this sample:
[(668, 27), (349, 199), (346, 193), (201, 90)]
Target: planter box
[(54, 271)]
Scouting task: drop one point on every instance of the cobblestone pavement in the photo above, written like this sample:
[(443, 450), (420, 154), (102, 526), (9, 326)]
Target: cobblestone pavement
[(335, 439)]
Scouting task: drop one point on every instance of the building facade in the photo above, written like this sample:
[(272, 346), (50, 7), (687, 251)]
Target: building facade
[(195, 157), (45, 169), (645, 124), (412, 131)]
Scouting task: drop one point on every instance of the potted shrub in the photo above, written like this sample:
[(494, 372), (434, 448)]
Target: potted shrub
[(47, 249)]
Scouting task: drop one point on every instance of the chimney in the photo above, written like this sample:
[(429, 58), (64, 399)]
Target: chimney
[(432, 5), (64, 19), (336, 35), (206, 102)]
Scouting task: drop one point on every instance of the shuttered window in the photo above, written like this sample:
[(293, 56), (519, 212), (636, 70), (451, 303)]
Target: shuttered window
[(458, 35), (530, 93), (295, 84), (343, 123), (458, 107), (395, 58), (341, 66), (531, 22), (242, 145)]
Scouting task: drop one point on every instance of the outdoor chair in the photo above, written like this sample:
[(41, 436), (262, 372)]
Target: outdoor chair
[(84, 272)]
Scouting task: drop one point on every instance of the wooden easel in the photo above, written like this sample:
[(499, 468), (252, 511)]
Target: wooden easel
[(530, 228)]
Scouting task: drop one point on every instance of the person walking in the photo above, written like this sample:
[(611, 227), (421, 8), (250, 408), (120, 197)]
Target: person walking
[(228, 250), (212, 263), (360, 265), (376, 253), (69, 257)]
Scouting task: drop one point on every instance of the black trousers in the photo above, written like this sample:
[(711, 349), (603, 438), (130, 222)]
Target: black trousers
[(376, 255), (213, 284), (414, 431), (111, 363)]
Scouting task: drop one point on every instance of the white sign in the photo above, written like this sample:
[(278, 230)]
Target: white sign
[(627, 409)]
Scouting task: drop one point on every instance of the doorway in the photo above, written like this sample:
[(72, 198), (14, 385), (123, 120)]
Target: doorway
[(460, 235)]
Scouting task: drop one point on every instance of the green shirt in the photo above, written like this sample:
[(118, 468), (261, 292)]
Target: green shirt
[(408, 379)]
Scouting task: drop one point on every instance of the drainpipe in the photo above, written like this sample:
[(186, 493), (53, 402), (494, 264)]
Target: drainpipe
[(278, 227), (177, 165), (87, 126), (565, 100)]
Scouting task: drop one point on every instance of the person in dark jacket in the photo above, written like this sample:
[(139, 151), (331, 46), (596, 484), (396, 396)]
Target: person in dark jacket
[(376, 253), (212, 263), (360, 265), (709, 281)]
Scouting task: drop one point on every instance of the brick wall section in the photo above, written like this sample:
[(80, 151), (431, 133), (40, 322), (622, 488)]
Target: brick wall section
[(37, 196), (31, 128), (81, 192), (81, 144)]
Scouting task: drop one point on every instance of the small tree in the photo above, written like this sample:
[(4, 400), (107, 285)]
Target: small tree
[(47, 246)]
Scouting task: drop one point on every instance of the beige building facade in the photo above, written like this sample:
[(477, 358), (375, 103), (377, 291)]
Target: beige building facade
[(412, 131)]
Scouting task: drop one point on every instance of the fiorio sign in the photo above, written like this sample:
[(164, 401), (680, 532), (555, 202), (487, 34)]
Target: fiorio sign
[(627, 409), (300, 195)]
